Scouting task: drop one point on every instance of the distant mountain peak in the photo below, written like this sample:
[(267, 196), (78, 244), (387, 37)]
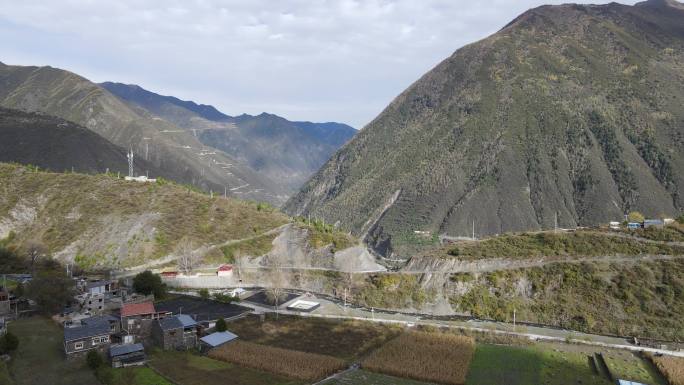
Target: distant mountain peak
[(134, 91), (661, 3)]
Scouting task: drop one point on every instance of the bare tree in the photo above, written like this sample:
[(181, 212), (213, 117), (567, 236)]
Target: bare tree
[(188, 258), (35, 250), (239, 263), (278, 281)]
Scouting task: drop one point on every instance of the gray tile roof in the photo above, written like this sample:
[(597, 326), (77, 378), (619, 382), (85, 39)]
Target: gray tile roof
[(99, 318), (91, 285), (218, 338), (170, 323), (87, 330), (177, 322), (120, 350)]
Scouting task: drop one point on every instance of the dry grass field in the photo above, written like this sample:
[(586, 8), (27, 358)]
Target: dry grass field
[(349, 340), (290, 363), (433, 357), (671, 367)]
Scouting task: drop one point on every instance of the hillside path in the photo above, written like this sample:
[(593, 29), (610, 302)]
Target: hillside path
[(441, 266)]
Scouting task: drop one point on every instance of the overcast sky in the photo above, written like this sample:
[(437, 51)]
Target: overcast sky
[(302, 59)]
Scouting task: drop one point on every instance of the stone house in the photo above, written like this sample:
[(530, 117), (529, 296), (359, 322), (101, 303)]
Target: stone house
[(177, 332), (137, 318), (87, 336), (123, 356)]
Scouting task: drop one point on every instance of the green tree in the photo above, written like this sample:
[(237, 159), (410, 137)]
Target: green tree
[(204, 293), (681, 219), (51, 288), (8, 343), (149, 283), (223, 298), (94, 359), (636, 216), (221, 325)]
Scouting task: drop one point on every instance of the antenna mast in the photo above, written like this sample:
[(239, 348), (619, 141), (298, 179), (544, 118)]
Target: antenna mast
[(130, 162)]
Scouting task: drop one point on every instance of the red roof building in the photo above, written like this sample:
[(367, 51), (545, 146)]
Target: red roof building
[(137, 309), (224, 270)]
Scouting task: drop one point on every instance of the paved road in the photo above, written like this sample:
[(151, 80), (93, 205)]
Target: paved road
[(332, 310)]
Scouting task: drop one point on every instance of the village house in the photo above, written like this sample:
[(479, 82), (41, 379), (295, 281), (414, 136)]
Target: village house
[(225, 271), (122, 356), (5, 307), (137, 318), (94, 303), (113, 322), (215, 340), (658, 223), (101, 287), (177, 332), (87, 336)]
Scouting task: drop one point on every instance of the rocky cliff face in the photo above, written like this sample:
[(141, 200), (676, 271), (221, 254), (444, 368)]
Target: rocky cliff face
[(570, 113)]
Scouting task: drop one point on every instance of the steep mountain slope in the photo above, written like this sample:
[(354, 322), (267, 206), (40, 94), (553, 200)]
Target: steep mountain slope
[(57, 144), (571, 112), (177, 152), (101, 221), (286, 152)]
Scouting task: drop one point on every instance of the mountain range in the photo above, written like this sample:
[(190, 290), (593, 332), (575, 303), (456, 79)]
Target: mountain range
[(258, 160), (59, 145), (570, 115), (285, 152)]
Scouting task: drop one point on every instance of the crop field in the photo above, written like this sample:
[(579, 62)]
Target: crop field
[(671, 367), (189, 369), (131, 376), (364, 377), (348, 340), (434, 357), (552, 364), (41, 356), (284, 362)]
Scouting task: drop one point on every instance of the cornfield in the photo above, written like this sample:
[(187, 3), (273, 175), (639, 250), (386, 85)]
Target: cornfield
[(432, 357), (671, 367), (289, 363)]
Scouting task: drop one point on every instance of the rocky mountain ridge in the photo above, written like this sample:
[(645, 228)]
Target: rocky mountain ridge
[(570, 116)]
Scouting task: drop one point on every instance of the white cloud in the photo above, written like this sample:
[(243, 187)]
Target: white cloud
[(316, 60)]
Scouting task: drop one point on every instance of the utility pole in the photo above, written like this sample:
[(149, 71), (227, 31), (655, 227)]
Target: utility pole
[(225, 192), (345, 297), (473, 230), (555, 222), (514, 318), (147, 148)]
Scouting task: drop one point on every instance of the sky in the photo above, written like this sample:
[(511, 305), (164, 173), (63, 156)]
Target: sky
[(316, 60)]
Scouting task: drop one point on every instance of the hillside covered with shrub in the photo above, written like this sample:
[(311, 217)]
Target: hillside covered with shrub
[(100, 220)]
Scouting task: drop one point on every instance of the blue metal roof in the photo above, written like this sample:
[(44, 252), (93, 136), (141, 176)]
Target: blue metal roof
[(120, 350), (177, 322), (218, 338)]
